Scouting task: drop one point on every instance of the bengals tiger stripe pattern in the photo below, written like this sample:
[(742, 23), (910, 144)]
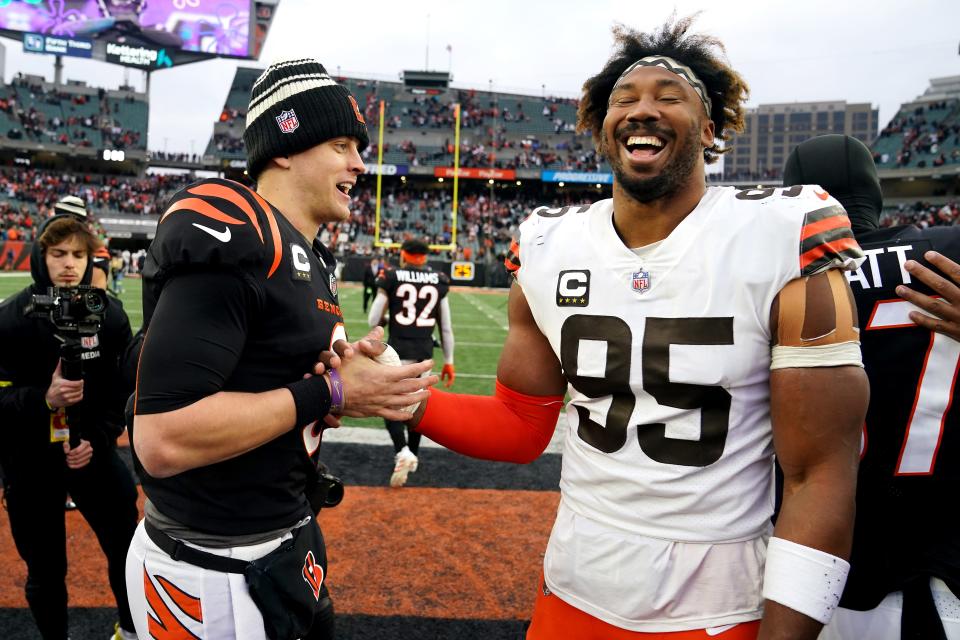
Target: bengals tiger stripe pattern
[(212, 200)]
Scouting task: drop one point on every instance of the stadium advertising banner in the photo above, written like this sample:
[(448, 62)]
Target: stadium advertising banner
[(475, 173), (576, 176), (215, 27), (138, 56), (56, 45), (388, 169)]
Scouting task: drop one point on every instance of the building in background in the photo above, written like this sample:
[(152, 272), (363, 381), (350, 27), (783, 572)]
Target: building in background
[(773, 130)]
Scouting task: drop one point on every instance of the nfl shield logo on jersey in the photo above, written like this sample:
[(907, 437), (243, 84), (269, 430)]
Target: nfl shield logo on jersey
[(288, 121), (641, 281)]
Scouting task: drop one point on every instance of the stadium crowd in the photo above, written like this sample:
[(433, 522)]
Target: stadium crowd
[(39, 112), (486, 224), (927, 130)]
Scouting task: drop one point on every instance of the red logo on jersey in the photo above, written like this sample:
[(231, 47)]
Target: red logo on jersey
[(312, 574), (823, 195)]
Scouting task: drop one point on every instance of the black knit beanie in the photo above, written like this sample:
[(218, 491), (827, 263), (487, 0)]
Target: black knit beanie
[(296, 105)]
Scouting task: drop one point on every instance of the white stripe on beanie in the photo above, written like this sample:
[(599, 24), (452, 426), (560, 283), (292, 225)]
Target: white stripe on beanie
[(284, 89), (280, 65)]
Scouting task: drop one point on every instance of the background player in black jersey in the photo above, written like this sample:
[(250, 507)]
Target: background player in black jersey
[(416, 297), (240, 302), (370, 273), (905, 545)]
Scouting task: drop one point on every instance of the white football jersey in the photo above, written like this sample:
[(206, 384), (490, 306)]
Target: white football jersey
[(668, 450)]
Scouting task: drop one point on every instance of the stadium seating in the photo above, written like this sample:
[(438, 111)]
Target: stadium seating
[(920, 136), (503, 131), (72, 115)]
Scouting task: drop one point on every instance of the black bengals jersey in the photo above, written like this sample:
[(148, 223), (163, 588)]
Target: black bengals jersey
[(910, 462), (415, 293), (235, 299)]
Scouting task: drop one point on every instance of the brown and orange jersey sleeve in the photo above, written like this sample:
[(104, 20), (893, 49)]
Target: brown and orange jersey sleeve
[(512, 261), (826, 241)]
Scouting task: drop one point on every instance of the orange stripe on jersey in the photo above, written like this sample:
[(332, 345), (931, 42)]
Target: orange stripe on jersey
[(274, 229), (214, 190), (833, 222), (189, 604), (201, 207), (101, 252), (165, 626), (827, 247), (512, 261)]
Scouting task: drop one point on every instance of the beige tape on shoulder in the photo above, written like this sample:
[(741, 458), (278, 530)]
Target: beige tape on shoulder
[(794, 304)]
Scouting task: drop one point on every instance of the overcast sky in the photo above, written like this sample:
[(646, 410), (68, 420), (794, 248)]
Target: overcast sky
[(878, 51)]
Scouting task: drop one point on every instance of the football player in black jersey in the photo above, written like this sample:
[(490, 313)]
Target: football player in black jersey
[(240, 301), (905, 544), (416, 297)]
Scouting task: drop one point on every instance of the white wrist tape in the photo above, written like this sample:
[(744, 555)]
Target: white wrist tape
[(806, 580)]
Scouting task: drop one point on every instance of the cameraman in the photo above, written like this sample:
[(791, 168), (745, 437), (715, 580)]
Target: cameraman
[(39, 408)]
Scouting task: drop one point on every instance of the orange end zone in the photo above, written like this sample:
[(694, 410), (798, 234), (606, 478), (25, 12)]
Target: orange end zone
[(446, 553)]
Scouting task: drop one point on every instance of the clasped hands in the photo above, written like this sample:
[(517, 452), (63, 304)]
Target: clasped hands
[(371, 388)]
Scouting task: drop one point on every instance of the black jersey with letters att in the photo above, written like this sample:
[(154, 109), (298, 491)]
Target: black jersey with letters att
[(415, 293), (910, 463), (261, 325)]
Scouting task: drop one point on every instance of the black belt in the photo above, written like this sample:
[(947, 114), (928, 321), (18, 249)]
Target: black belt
[(180, 552)]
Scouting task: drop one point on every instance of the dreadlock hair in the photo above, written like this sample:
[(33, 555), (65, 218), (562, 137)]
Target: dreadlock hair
[(706, 55)]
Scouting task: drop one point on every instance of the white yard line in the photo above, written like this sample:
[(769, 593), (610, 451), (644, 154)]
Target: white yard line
[(500, 322), (457, 325), (486, 376)]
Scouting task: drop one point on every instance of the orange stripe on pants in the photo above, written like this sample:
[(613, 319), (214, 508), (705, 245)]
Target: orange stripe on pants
[(553, 618)]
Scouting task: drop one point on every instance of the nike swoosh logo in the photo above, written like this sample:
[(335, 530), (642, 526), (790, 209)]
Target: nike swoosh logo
[(222, 236)]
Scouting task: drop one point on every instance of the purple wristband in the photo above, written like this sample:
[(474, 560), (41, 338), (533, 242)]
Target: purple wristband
[(337, 394)]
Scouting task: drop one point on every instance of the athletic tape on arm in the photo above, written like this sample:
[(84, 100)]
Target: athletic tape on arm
[(838, 346)]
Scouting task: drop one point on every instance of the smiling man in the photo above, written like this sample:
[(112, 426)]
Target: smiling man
[(240, 299), (698, 331)]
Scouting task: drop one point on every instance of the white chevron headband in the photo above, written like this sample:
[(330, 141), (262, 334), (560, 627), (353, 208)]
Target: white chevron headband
[(681, 70)]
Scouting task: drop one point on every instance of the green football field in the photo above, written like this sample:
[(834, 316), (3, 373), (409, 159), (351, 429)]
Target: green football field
[(479, 326)]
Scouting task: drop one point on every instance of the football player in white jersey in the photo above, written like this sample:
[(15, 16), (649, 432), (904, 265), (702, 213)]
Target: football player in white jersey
[(698, 331)]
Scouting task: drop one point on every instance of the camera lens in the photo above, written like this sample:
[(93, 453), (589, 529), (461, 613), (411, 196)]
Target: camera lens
[(95, 302)]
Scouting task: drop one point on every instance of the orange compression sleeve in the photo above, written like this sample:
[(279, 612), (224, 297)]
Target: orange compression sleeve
[(508, 426)]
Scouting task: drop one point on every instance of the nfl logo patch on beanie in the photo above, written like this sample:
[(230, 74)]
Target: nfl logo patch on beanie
[(296, 105)]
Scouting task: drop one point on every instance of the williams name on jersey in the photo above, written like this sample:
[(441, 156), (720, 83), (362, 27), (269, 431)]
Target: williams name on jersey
[(414, 294)]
